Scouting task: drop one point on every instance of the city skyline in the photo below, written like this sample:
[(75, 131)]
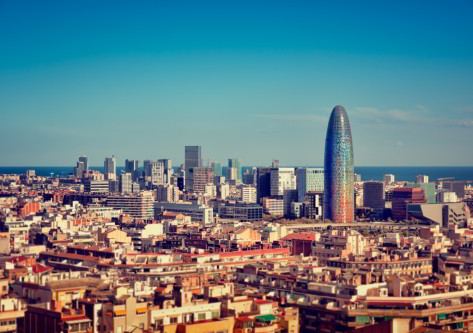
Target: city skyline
[(112, 78)]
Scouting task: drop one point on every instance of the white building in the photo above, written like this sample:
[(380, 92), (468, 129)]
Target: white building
[(389, 178), (282, 179), (447, 197), (197, 212), (210, 190), (422, 179), (307, 180), (224, 191), (248, 194)]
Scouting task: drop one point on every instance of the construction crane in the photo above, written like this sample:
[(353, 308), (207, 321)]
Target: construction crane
[(445, 178)]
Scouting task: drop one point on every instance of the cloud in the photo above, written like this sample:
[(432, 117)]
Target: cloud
[(292, 117), (463, 123), (380, 116)]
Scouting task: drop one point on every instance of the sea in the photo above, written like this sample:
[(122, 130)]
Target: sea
[(402, 173)]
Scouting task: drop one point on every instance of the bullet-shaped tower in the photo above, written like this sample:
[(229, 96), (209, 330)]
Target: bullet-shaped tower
[(339, 190)]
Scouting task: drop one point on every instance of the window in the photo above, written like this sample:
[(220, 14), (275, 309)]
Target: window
[(173, 320), (201, 316), (215, 315)]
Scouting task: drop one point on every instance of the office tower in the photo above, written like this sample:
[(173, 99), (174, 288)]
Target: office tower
[(192, 159), (137, 206), (154, 172), (110, 167), (263, 183), (113, 186), (389, 178), (125, 183), (84, 159), (167, 165), (404, 196), (282, 179), (339, 179), (133, 167), (223, 191), (429, 190), (216, 168), (357, 177), (248, 194), (289, 196), (199, 177), (235, 163), (167, 193), (422, 179), (374, 196), (249, 176), (231, 174), (146, 169), (96, 186), (79, 170), (457, 186), (446, 197), (307, 180), (313, 205)]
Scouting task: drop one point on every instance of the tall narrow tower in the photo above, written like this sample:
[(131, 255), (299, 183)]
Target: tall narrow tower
[(338, 189)]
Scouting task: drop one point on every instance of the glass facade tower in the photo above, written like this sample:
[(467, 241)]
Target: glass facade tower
[(338, 180)]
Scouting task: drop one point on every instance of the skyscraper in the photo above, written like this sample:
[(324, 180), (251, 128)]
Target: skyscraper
[(339, 179), (216, 168), (84, 159), (133, 167), (109, 168), (307, 180), (234, 164), (192, 159), (167, 163)]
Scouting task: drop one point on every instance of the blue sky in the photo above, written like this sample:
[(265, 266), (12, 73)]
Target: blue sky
[(249, 79)]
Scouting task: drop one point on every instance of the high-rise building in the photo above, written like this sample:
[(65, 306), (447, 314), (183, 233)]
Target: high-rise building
[(389, 178), (236, 164), (137, 206), (192, 159), (154, 172), (374, 195), (84, 159), (248, 194), (339, 163), (313, 205), (167, 193), (457, 186), (216, 168), (404, 196), (133, 167), (125, 183), (263, 183), (110, 168), (199, 177), (307, 180), (167, 164), (357, 177), (79, 170), (282, 179), (146, 169), (422, 179), (249, 176), (429, 191)]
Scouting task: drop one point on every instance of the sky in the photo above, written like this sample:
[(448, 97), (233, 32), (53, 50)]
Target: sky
[(254, 80)]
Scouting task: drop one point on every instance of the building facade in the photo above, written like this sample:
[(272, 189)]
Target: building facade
[(339, 163)]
